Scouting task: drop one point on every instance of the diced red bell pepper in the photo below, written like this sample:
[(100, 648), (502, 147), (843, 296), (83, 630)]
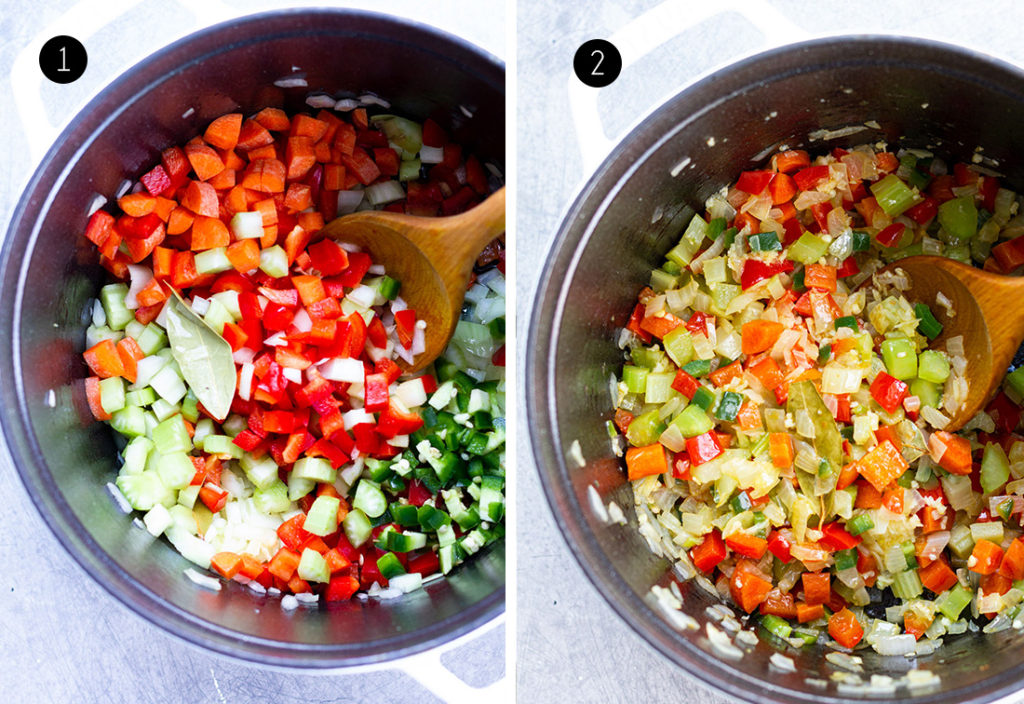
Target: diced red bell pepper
[(809, 178), (698, 323), (710, 552), (924, 211), (835, 537), (213, 497), (376, 394), (848, 268), (754, 182), (890, 236), (394, 422), (703, 448), (888, 391), (779, 544), (755, 270), (405, 326)]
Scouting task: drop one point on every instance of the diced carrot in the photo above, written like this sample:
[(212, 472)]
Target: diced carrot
[(201, 199), (204, 160), (886, 162), (747, 545), (817, 587), (253, 135), (994, 583), (265, 176), (778, 603), (179, 221), (760, 335), (152, 293), (296, 242), (312, 221), (747, 585), (232, 160), (306, 126), (820, 276), (224, 180), (847, 476), (781, 449), (298, 197), (360, 165), (140, 249), (723, 375), (223, 132), (868, 496), (845, 629), (1012, 565), (937, 577), (660, 325), (986, 557), (92, 395), (273, 119), (284, 563), (360, 119), (164, 207), (767, 371), (310, 288), (709, 552), (782, 188), (749, 416), (130, 353), (208, 233), (300, 156), (892, 498), (882, 465), (334, 177), (269, 151), (645, 461), (792, 160), (104, 360), (137, 204), (808, 612), (244, 255), (915, 624), (227, 564), (955, 455)]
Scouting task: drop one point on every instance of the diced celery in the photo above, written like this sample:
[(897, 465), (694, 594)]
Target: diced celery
[(190, 407), (322, 517), (409, 170), (175, 469), (776, 625), (112, 396), (313, 567), (662, 281), (272, 499), (679, 345), (952, 602), (990, 530), (298, 487), (222, 445), (217, 315), (907, 585), (859, 524), (959, 217), (689, 243), (172, 436), (163, 410), (715, 271), (693, 421), (961, 542), (316, 469), (646, 357), (645, 429), (187, 496), (808, 249), (234, 425), (184, 518), (659, 387), (140, 397), (135, 454), (229, 299), (635, 378), (274, 262), (112, 298), (900, 357), (130, 421), (168, 384), (404, 132), (144, 491), (212, 261), (928, 392), (995, 468), (933, 366), (722, 294), (247, 226), (153, 339), (893, 195), (262, 472)]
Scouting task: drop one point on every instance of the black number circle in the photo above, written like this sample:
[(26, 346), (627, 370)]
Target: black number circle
[(597, 63), (63, 59)]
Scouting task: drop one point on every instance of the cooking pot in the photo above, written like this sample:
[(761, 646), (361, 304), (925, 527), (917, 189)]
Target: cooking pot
[(632, 211), (49, 275)]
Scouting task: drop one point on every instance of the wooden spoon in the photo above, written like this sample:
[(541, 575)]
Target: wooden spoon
[(432, 258), (987, 313)]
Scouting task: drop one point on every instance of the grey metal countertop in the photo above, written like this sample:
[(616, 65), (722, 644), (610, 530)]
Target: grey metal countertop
[(62, 638), (571, 645)]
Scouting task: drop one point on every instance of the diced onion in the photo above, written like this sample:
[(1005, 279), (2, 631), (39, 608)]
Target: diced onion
[(346, 369), (384, 193), (348, 201)]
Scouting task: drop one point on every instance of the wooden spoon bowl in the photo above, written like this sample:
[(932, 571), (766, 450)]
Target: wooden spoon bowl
[(432, 258), (988, 311)]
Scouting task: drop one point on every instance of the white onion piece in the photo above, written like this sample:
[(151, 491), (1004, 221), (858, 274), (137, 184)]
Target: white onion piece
[(245, 381), (140, 278), (384, 193), (346, 369), (431, 155), (348, 201)]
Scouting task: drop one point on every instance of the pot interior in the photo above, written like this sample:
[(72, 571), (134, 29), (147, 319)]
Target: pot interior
[(903, 92), (50, 275)]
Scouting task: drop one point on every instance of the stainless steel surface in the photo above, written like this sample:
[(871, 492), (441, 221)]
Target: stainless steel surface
[(624, 218), (89, 518)]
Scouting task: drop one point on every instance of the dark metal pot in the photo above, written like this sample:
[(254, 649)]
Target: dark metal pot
[(632, 210), (49, 274)]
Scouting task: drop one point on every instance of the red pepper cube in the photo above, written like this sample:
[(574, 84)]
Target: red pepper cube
[(376, 394)]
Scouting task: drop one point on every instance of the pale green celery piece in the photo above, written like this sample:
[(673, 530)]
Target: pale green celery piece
[(112, 298), (322, 517), (722, 294), (715, 271), (928, 392), (176, 470), (933, 366), (662, 281), (808, 249), (153, 339), (959, 217), (112, 394), (659, 387), (995, 468), (409, 170), (212, 261), (274, 262), (679, 345), (635, 378), (690, 242), (217, 316), (313, 567), (645, 429)]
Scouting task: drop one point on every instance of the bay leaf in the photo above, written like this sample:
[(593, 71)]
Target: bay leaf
[(203, 355), (827, 442)]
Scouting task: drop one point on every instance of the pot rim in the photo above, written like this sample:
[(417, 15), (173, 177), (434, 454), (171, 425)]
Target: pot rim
[(22, 445), (577, 223)]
